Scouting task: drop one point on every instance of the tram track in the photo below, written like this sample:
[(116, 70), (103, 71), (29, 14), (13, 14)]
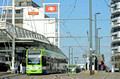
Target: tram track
[(68, 76), (107, 75)]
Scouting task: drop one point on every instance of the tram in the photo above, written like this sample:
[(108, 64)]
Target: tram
[(73, 69), (41, 61)]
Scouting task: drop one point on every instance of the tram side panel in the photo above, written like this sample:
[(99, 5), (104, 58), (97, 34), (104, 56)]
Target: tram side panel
[(54, 63)]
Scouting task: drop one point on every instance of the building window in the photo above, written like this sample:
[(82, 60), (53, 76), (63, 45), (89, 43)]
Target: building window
[(10, 11), (21, 11), (28, 3), (115, 51), (115, 37), (115, 8), (17, 11), (115, 22)]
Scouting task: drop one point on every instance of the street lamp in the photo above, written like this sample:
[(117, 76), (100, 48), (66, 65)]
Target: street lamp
[(84, 56), (98, 41), (97, 45), (96, 34)]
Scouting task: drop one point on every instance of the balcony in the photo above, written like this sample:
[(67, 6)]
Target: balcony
[(116, 26), (115, 18), (115, 48), (115, 11), (112, 4), (115, 39), (115, 33)]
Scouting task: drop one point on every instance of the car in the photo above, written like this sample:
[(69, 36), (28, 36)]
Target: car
[(116, 69)]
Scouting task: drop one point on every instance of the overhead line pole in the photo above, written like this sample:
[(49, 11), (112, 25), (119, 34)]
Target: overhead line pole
[(69, 54), (40, 4), (90, 28), (72, 55), (87, 52), (13, 39), (58, 25)]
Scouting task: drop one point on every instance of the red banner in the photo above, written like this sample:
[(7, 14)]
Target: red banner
[(51, 8)]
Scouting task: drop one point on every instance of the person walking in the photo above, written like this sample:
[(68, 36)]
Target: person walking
[(23, 67), (20, 67), (15, 66)]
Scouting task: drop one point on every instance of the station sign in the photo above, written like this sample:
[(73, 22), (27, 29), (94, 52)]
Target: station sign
[(51, 8), (33, 13)]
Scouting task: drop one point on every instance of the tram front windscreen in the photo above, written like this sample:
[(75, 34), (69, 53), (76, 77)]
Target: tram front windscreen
[(72, 68), (34, 57)]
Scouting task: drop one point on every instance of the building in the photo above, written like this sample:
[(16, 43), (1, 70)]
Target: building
[(115, 32), (32, 28), (31, 16)]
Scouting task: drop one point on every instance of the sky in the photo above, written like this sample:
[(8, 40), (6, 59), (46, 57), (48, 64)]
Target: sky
[(79, 9), (79, 28)]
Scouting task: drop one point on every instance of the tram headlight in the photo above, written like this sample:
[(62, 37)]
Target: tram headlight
[(28, 68), (39, 68)]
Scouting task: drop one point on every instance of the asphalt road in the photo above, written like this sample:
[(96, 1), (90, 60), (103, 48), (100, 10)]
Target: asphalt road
[(100, 75)]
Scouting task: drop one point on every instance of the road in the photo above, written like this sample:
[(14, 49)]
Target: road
[(100, 75)]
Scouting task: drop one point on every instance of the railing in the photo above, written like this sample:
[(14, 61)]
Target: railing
[(21, 33)]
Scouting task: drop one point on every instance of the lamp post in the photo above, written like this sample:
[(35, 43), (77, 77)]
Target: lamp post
[(96, 34), (97, 46), (84, 56), (13, 39), (90, 28), (99, 43)]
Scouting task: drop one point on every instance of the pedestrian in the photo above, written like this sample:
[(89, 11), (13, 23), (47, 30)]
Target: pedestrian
[(20, 67), (15, 66), (23, 67)]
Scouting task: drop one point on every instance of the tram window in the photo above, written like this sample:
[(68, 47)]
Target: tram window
[(43, 61)]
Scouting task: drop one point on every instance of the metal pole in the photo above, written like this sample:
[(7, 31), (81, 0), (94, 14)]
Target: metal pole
[(58, 25), (99, 45), (40, 4), (72, 55), (13, 40), (69, 55), (97, 41), (90, 28), (97, 48), (96, 36), (87, 52)]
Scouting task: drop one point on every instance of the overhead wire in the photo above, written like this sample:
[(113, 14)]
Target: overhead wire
[(66, 21), (106, 3), (72, 10)]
